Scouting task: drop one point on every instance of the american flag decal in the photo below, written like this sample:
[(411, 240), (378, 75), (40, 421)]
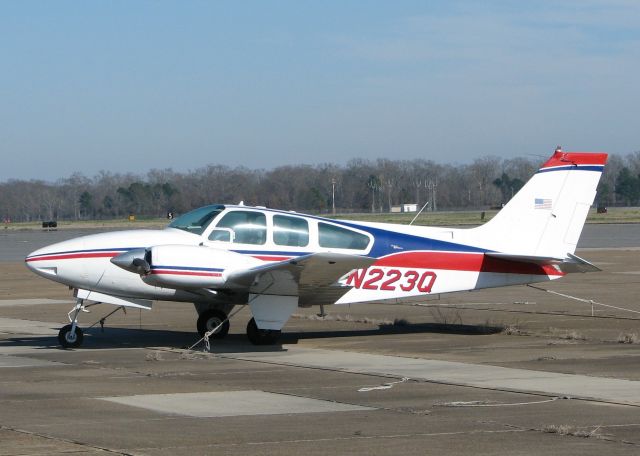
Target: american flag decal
[(542, 203)]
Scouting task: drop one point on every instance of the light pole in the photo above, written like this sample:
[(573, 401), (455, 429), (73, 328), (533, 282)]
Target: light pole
[(333, 195), (431, 185)]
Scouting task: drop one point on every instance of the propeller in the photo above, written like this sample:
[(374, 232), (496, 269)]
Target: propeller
[(136, 260)]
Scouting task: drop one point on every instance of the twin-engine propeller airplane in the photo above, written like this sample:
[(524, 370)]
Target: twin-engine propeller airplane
[(221, 256)]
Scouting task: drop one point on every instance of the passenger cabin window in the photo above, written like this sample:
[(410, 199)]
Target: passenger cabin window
[(290, 231), (247, 227), (197, 220), (332, 236)]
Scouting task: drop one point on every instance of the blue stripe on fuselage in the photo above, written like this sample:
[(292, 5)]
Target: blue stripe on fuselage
[(387, 242), (187, 268), (598, 168)]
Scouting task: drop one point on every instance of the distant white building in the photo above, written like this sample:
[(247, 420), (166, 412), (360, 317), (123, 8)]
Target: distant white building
[(410, 207)]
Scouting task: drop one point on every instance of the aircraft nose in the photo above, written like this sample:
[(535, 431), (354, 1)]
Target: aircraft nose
[(135, 260), (29, 262), (48, 261), (43, 261)]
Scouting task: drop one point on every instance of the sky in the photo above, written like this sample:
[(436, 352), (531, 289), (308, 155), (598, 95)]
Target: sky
[(129, 86)]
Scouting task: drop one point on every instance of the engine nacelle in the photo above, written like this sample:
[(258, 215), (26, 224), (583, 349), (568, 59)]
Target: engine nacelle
[(189, 266)]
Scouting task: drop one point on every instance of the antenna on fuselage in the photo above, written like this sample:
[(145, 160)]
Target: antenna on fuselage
[(419, 212)]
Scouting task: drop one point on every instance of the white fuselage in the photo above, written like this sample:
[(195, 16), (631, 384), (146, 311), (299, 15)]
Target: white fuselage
[(410, 261)]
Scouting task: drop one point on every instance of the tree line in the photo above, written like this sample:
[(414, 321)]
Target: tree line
[(358, 186)]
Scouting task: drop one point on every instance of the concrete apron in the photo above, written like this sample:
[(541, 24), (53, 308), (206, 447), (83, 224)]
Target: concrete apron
[(455, 373)]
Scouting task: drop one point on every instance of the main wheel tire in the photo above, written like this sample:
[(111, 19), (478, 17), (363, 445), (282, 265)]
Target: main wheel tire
[(70, 339), (259, 336), (211, 318)]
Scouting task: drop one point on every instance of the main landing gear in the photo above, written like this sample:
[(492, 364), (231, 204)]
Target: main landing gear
[(71, 336), (210, 319), (213, 318), (259, 336)]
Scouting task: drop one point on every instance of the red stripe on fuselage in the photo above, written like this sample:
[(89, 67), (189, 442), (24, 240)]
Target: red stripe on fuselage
[(72, 256), (271, 257), (474, 262)]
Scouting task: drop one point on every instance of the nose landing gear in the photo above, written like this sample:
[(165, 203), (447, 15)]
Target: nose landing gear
[(71, 336)]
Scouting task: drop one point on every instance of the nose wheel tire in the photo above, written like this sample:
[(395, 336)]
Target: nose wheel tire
[(259, 336), (211, 318), (68, 338)]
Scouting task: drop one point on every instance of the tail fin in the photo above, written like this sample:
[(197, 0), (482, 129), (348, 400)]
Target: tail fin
[(545, 218)]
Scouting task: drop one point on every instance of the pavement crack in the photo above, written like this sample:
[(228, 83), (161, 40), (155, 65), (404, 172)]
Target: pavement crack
[(357, 436), (62, 439), (582, 432)]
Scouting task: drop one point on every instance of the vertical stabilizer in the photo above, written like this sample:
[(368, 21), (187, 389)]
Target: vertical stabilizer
[(546, 217)]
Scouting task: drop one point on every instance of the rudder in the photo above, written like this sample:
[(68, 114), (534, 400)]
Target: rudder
[(545, 218)]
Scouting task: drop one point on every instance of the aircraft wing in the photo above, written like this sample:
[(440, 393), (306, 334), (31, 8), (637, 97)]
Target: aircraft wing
[(311, 277), (572, 263)]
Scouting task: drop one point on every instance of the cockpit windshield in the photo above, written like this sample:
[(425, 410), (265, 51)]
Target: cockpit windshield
[(197, 220)]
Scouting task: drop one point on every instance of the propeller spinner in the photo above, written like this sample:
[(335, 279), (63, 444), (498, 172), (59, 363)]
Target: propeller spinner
[(136, 260)]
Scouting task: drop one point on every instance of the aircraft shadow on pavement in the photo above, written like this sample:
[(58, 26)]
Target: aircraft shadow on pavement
[(407, 328), (95, 338)]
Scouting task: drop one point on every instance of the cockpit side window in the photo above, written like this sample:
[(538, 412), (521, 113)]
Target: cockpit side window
[(197, 220), (332, 236), (290, 231), (248, 227)]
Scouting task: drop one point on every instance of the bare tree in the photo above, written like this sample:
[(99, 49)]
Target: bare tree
[(359, 185)]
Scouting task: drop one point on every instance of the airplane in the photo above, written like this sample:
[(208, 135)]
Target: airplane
[(221, 256)]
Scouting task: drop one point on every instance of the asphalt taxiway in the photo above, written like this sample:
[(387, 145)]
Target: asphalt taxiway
[(514, 370)]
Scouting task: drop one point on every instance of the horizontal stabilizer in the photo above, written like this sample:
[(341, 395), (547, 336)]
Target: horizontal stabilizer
[(541, 260), (576, 264), (571, 263)]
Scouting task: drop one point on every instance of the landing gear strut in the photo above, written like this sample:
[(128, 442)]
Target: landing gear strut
[(71, 336), (259, 336), (210, 319)]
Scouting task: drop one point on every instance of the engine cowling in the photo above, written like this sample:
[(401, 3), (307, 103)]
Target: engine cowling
[(184, 266)]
